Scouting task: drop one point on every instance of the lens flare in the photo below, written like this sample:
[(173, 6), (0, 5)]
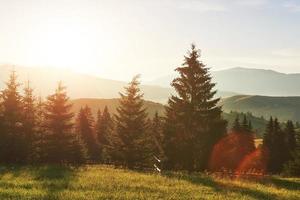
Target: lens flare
[(230, 151), (254, 163)]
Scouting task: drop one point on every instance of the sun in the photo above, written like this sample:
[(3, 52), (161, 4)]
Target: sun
[(69, 46)]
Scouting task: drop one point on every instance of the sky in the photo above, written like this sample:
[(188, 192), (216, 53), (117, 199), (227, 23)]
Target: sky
[(118, 39)]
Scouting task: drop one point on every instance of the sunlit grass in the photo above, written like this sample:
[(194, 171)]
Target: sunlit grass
[(104, 182)]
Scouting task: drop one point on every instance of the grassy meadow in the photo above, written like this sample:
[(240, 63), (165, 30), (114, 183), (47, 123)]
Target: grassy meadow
[(104, 182)]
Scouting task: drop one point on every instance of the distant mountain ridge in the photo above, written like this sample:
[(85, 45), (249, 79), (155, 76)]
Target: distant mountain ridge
[(44, 81), (249, 81), (257, 82)]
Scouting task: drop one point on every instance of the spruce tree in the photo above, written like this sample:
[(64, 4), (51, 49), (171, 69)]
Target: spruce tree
[(278, 156), (193, 119), (12, 140), (156, 133), (245, 124), (268, 135), (250, 127), (29, 122), (85, 128), (292, 167), (290, 140), (40, 132), (62, 145), (244, 127), (248, 136), (236, 125), (274, 142), (131, 126), (104, 131), (237, 146), (98, 124)]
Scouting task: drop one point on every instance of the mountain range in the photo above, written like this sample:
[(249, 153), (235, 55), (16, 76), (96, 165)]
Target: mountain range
[(236, 81), (98, 92), (249, 81), (45, 80)]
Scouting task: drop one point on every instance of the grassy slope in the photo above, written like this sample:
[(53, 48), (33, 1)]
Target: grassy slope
[(100, 182)]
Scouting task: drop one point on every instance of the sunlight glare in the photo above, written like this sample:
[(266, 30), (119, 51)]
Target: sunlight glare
[(72, 46)]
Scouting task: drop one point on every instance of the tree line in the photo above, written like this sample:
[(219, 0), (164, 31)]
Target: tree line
[(33, 130)]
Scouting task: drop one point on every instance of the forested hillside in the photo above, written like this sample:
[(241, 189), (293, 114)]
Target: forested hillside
[(258, 123), (112, 105)]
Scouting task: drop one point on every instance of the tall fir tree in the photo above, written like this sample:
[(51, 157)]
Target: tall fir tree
[(250, 127), (273, 142), (104, 131), (244, 127), (98, 124), (62, 145), (278, 156), (156, 132), (40, 132), (245, 124), (29, 122), (12, 140), (193, 119), (292, 167), (268, 135), (85, 128), (131, 126), (236, 127), (290, 140)]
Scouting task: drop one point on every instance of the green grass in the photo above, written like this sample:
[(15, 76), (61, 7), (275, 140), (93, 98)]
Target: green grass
[(103, 182)]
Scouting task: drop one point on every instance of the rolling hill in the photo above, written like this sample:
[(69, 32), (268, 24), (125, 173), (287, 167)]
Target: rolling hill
[(284, 108)]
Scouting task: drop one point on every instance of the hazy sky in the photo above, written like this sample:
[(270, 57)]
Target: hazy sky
[(117, 39)]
